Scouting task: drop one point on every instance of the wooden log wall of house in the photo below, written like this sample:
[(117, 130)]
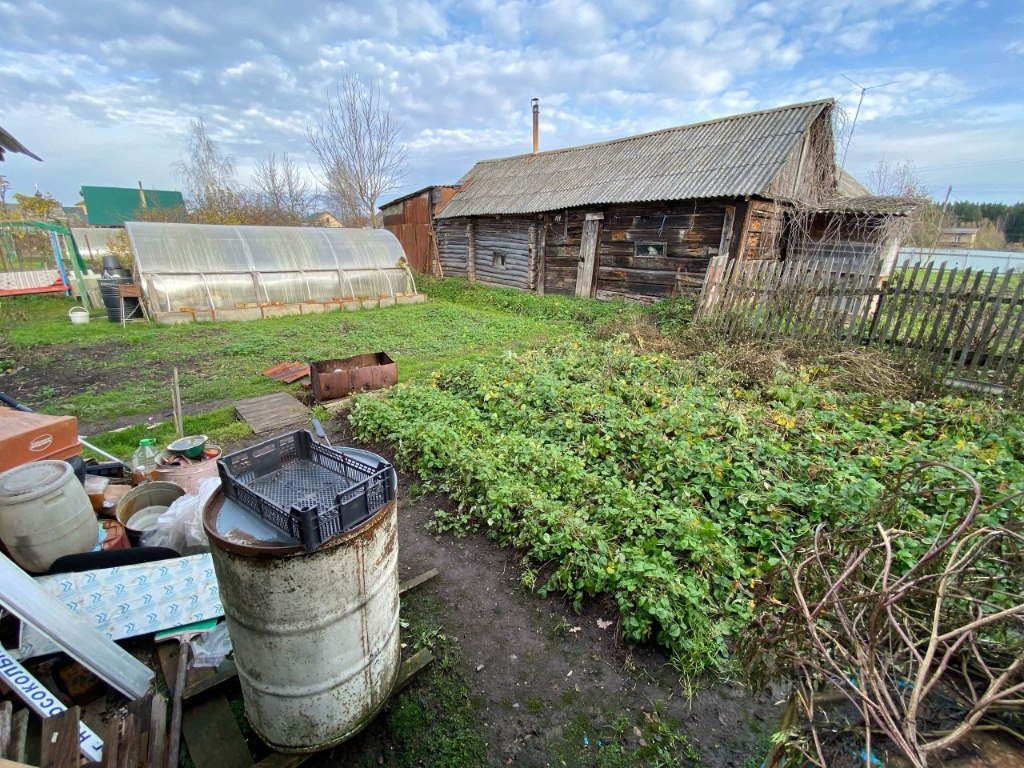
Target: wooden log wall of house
[(502, 250), (452, 246), (684, 238)]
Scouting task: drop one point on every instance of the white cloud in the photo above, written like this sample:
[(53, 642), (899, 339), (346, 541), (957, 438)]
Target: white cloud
[(458, 73)]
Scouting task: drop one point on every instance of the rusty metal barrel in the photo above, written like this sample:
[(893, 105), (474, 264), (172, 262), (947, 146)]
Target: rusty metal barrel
[(315, 633)]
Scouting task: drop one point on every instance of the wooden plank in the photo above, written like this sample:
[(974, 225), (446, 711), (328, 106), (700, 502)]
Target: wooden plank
[(947, 341), (911, 311), (895, 297), (411, 667), (157, 752), (18, 745), (223, 674), (932, 298), (6, 713), (212, 735), (939, 312), (272, 413), (59, 740), (978, 304), (112, 743), (1015, 314), (207, 724), (588, 258), (140, 713), (542, 254), (416, 581), (986, 336), (128, 749), (5, 763)]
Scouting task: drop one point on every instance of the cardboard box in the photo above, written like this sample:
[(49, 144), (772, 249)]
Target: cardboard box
[(26, 437)]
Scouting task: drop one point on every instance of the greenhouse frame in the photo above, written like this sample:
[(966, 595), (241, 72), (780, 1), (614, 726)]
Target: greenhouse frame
[(221, 272)]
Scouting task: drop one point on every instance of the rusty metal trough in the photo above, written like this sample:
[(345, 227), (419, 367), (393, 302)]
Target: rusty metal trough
[(332, 379)]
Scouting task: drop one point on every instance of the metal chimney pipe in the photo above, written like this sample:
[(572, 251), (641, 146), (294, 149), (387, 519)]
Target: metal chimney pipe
[(536, 124)]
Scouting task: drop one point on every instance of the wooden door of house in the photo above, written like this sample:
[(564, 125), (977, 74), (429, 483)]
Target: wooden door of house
[(586, 273)]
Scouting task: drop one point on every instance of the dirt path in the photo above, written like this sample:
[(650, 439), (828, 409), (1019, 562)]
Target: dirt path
[(550, 686)]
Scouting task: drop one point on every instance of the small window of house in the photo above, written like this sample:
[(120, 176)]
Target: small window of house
[(651, 250), (498, 259)]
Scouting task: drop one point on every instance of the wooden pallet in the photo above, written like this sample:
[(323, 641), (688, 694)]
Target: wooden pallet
[(273, 413)]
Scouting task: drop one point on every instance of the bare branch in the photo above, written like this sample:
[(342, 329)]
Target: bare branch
[(358, 149)]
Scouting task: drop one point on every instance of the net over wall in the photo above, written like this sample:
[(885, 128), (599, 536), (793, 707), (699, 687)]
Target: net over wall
[(223, 267)]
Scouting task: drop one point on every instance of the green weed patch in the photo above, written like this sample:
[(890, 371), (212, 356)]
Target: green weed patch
[(665, 485)]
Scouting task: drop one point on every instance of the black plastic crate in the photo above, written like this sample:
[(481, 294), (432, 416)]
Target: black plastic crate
[(310, 491)]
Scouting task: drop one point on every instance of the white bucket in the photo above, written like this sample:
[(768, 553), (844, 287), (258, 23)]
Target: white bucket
[(45, 514), (78, 315)]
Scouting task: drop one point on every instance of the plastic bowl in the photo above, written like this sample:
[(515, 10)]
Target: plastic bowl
[(191, 446)]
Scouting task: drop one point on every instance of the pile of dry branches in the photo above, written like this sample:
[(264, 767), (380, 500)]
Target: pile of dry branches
[(920, 629)]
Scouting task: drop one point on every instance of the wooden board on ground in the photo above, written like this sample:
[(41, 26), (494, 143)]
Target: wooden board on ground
[(59, 744), (273, 413), (208, 726)]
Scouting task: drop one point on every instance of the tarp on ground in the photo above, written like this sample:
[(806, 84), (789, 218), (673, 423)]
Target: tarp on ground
[(196, 266)]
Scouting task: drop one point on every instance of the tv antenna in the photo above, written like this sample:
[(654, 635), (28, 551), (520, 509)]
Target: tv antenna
[(863, 89)]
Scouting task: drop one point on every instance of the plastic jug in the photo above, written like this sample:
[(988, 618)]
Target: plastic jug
[(144, 461)]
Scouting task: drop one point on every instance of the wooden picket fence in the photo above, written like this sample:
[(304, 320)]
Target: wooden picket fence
[(966, 324)]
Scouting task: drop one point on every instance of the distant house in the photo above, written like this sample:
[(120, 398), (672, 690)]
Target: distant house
[(410, 217), (958, 237), (644, 216), (113, 206), (324, 219)]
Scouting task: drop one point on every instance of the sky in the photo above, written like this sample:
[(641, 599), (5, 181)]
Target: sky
[(104, 92)]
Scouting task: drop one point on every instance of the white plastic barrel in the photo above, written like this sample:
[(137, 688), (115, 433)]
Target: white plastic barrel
[(315, 634), (45, 514)]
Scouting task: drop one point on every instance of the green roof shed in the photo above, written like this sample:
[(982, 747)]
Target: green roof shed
[(113, 206)]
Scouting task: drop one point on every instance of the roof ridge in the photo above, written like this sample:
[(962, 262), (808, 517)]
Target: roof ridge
[(647, 134)]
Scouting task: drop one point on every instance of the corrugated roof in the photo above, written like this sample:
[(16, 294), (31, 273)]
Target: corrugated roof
[(848, 186), (113, 206), (417, 193), (877, 205), (728, 157)]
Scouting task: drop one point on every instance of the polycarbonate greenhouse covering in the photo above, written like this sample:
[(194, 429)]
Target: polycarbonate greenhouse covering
[(196, 266)]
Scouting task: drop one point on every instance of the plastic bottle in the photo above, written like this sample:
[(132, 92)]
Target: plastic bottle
[(144, 461)]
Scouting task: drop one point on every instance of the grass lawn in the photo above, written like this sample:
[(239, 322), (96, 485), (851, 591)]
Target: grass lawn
[(102, 372)]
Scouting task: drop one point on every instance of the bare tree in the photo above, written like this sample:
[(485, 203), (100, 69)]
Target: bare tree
[(207, 173), (281, 187), (895, 179), (357, 146)]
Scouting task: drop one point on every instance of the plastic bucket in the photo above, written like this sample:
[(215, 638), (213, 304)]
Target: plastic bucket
[(45, 514), (78, 315), (155, 494)]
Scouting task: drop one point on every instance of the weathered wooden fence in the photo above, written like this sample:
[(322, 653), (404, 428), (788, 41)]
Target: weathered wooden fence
[(967, 323)]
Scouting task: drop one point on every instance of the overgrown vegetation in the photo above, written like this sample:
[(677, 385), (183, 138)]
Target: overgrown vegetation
[(667, 486)]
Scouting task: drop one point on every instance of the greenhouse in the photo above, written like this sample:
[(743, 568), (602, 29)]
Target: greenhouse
[(218, 272)]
